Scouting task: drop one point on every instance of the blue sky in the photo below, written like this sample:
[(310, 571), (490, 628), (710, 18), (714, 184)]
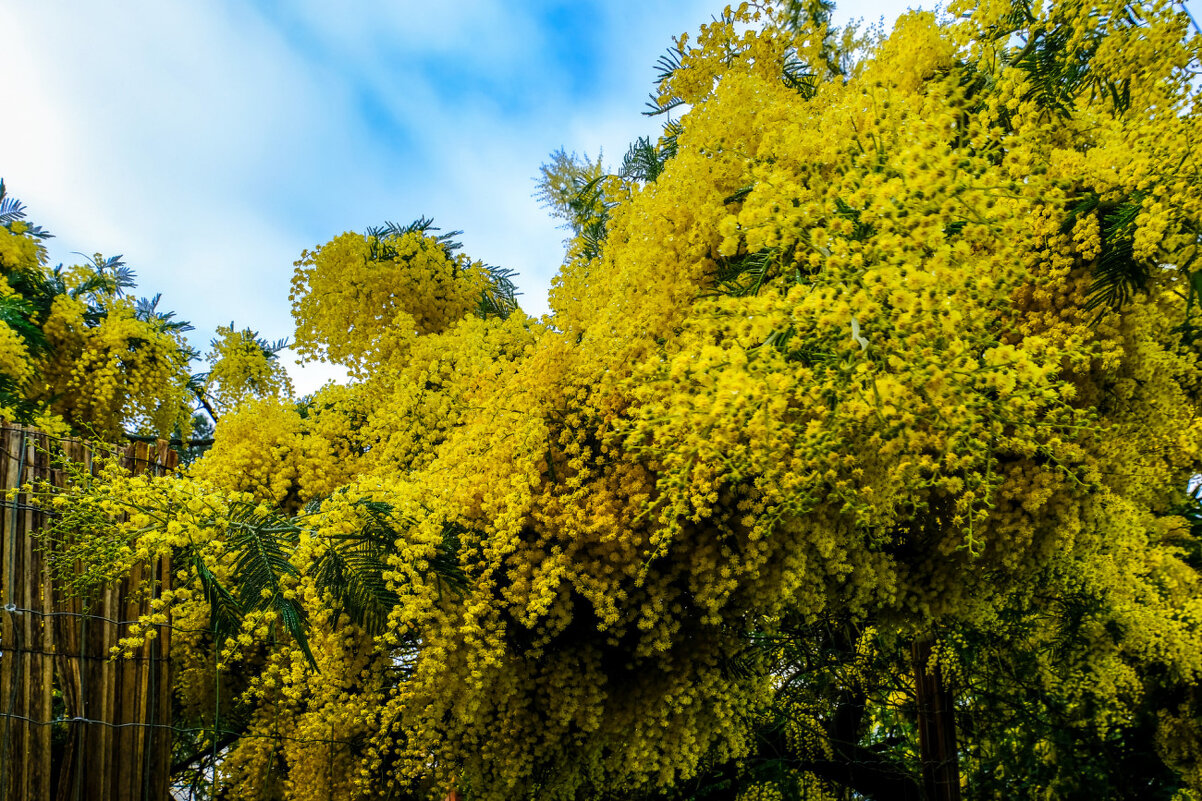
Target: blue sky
[(210, 143)]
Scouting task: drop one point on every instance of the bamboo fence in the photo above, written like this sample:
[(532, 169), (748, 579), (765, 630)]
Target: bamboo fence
[(74, 722)]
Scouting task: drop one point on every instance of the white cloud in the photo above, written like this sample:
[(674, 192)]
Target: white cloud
[(155, 139)]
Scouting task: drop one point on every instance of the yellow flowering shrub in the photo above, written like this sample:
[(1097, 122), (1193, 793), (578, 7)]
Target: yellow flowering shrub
[(78, 354), (908, 346)]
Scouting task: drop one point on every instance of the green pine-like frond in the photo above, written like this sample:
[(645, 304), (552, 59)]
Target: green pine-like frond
[(445, 564), (225, 613), (353, 569), (860, 230), (380, 237), (270, 349), (739, 195), (669, 142), (262, 542), (668, 63), (656, 107), (13, 210), (797, 76), (259, 538), (592, 240), (1059, 67), (499, 298), (591, 208), (665, 67), (643, 161), (746, 273), (147, 310), (20, 315), (353, 574), (353, 566), (1117, 274)]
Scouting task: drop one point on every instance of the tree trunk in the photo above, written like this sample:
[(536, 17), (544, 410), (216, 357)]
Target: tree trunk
[(936, 728)]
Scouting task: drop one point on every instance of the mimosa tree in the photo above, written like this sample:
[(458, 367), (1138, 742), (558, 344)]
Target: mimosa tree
[(877, 374)]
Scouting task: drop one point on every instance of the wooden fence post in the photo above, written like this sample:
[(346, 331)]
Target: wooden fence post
[(936, 727)]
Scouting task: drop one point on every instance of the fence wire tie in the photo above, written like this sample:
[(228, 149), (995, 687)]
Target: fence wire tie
[(11, 609)]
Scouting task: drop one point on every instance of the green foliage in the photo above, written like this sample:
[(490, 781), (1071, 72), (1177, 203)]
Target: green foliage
[(567, 188), (262, 542), (381, 237), (643, 161), (1117, 274), (499, 298), (352, 567), (13, 211), (1061, 67)]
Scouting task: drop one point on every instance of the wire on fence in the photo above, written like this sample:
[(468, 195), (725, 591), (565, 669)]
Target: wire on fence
[(13, 609), (191, 730)]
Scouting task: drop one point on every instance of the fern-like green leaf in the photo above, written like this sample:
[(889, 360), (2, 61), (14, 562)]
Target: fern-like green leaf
[(380, 238), (262, 542), (1117, 274), (745, 274), (353, 566), (643, 161), (499, 298), (225, 613)]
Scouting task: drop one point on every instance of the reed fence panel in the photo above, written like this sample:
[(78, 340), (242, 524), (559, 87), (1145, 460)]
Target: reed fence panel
[(75, 723)]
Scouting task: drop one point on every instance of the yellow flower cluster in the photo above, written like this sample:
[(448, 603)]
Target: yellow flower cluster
[(240, 368), (102, 368), (283, 454), (122, 372), (14, 355), (358, 300), (19, 252)]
